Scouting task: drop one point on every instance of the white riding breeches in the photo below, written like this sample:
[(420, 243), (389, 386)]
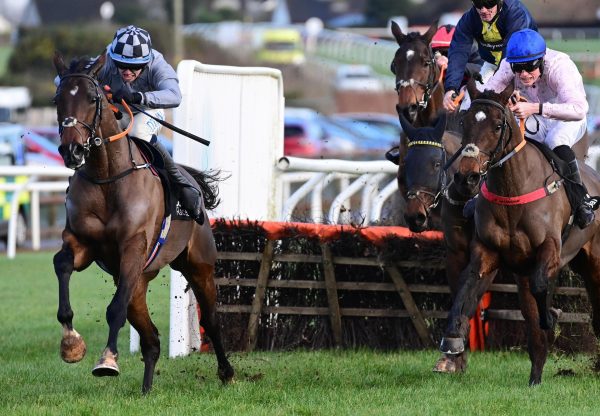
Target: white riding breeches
[(555, 132), (143, 126)]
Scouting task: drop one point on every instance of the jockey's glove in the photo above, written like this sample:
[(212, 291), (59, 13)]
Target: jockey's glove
[(127, 95)]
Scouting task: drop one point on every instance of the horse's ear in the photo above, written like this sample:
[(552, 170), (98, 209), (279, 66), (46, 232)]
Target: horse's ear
[(430, 32), (440, 126), (472, 89), (506, 94), (408, 128), (59, 64), (397, 32), (98, 64)]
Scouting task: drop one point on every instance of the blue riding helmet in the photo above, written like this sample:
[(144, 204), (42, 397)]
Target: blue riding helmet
[(525, 45), (131, 45)]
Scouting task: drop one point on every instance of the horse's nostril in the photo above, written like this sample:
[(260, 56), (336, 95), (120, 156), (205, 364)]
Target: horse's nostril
[(473, 179)]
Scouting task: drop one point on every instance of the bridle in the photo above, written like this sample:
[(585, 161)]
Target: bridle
[(471, 150), (72, 122), (441, 180), (429, 87)]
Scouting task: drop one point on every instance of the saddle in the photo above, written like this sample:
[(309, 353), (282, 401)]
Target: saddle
[(172, 204)]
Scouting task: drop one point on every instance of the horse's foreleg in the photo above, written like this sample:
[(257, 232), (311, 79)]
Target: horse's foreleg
[(543, 277), (138, 316), (537, 340), (72, 346), (456, 262), (474, 280), (132, 259)]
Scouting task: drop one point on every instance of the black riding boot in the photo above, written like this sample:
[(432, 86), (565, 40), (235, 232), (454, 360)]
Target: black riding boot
[(188, 194), (576, 191)]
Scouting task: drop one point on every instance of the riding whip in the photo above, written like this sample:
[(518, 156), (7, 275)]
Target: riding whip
[(172, 127)]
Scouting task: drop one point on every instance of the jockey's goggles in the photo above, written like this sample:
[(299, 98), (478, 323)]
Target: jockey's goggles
[(131, 67), (488, 4), (530, 66)]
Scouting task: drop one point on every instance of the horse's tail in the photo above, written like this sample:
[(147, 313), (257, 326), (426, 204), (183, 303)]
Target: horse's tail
[(209, 185)]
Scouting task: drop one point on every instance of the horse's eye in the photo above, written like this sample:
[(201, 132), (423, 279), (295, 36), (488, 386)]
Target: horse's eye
[(498, 127), (461, 123), (437, 164)]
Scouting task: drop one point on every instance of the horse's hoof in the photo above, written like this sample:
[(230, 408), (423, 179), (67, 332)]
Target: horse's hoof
[(72, 347), (445, 365), (226, 375), (106, 365), (452, 346)]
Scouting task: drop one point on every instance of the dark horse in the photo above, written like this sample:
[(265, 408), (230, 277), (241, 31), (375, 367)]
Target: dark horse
[(115, 209), (526, 238), (431, 201)]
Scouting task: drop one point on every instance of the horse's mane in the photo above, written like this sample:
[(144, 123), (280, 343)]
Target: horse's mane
[(490, 95), (414, 36), (81, 64)]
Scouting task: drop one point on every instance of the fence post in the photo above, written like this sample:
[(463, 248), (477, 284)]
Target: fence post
[(332, 297), (259, 295), (411, 307)]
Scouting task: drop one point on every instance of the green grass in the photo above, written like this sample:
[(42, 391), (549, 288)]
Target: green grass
[(34, 381)]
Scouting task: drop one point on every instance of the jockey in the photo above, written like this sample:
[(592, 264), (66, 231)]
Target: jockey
[(556, 106), (490, 23), (140, 75), (440, 43)]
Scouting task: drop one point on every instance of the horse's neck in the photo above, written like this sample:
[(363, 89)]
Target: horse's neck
[(111, 158), (430, 113), (524, 172)]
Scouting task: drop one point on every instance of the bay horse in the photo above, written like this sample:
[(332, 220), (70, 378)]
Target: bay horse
[(115, 210), (520, 220), (418, 77)]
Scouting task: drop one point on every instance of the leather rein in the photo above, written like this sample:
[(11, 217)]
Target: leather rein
[(539, 193), (93, 139)]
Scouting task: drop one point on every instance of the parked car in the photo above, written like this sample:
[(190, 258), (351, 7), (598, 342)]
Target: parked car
[(12, 152), (357, 78), (375, 141), (281, 46), (40, 150), (386, 122), (310, 134)]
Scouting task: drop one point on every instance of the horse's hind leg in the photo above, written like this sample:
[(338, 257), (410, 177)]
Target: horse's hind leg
[(138, 316), (72, 346), (201, 280), (587, 264)]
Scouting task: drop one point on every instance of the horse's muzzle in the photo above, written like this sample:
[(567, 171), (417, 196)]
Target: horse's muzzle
[(73, 154), (417, 223), (411, 112), (468, 184)]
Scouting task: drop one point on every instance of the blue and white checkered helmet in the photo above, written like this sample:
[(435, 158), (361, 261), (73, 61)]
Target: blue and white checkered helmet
[(131, 45)]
